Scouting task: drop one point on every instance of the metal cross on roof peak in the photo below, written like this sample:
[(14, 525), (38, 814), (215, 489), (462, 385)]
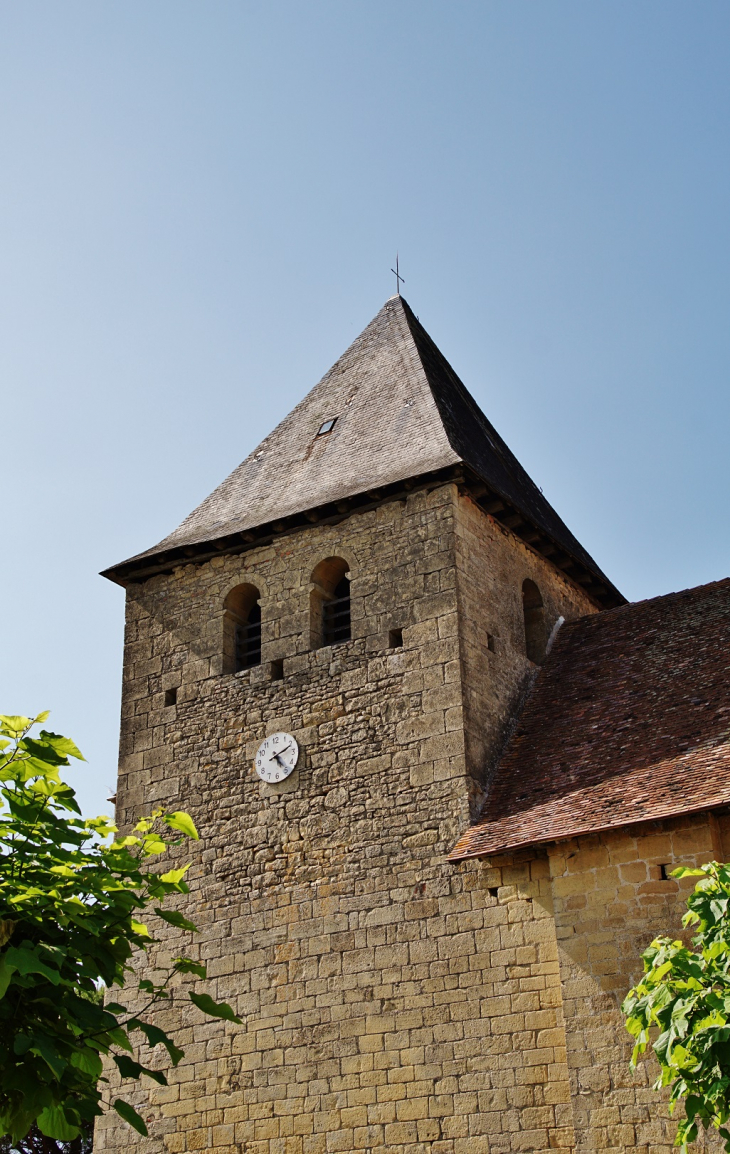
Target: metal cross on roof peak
[(396, 274)]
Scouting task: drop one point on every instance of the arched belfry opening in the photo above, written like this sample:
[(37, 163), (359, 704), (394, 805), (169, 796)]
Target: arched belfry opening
[(534, 616), (330, 603), (241, 629)]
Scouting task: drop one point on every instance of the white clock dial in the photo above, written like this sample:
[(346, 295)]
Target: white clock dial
[(276, 757)]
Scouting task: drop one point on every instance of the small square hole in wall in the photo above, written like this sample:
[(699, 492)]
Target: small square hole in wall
[(171, 697), (395, 638), (277, 670), (490, 643), (665, 872)]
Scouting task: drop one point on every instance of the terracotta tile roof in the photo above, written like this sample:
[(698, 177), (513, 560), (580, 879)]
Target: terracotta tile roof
[(402, 413), (628, 720)]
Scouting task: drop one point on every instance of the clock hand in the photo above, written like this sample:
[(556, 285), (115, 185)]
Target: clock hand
[(279, 752)]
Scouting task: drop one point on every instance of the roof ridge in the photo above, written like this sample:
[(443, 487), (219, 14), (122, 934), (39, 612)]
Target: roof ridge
[(629, 606), (509, 479)]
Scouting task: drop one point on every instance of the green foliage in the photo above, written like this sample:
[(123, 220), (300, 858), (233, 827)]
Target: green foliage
[(37, 1143), (681, 1008), (70, 898)]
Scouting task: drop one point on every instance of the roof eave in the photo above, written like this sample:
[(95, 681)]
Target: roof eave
[(584, 831), (164, 559), (590, 580)]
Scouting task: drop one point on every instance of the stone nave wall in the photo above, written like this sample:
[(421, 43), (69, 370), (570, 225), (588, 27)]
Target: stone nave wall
[(611, 897)]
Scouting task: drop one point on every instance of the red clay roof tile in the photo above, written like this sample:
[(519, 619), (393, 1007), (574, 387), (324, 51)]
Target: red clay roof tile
[(629, 720)]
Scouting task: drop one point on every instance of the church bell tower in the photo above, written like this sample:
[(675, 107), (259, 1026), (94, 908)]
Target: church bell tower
[(321, 665)]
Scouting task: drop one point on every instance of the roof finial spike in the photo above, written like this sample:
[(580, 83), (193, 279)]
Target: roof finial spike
[(396, 273)]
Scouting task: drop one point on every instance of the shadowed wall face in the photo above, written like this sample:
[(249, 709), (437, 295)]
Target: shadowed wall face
[(533, 613)]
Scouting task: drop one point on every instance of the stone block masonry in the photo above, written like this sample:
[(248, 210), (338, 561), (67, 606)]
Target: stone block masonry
[(392, 1001), (612, 895)]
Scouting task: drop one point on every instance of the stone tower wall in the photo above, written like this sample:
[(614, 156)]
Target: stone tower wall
[(491, 565), (391, 1001)]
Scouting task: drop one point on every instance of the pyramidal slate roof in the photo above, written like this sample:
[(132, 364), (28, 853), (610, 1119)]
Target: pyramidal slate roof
[(401, 414)]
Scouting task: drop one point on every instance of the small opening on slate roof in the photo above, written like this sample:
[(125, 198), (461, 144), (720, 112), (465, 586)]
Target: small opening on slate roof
[(326, 427), (277, 670), (490, 643), (171, 697), (395, 638)]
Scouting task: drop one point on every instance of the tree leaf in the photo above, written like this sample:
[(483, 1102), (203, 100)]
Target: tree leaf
[(175, 918), (153, 844), (175, 876), (54, 1123), (27, 962), (62, 745), (205, 1003), (43, 751), (45, 1049), (183, 822), (87, 1060), (6, 973), (130, 1115), (13, 726), (6, 931)]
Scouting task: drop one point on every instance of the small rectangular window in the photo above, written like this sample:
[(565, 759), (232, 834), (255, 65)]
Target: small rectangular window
[(395, 638), (171, 697), (326, 427), (277, 670)]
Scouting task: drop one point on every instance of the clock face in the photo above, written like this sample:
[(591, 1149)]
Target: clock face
[(276, 757)]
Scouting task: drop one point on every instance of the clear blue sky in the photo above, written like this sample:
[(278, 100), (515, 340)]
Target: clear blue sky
[(199, 207)]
